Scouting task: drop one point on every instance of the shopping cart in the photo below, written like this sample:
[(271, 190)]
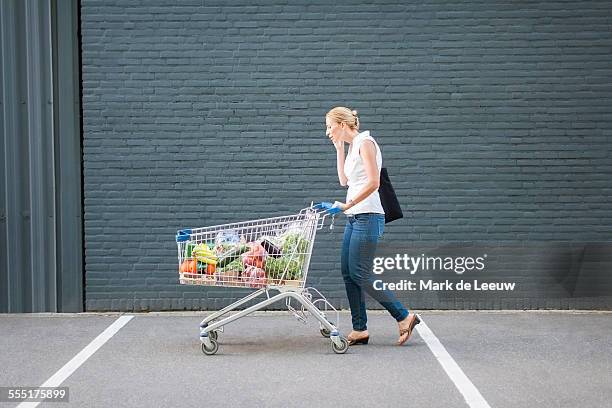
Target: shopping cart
[(271, 254)]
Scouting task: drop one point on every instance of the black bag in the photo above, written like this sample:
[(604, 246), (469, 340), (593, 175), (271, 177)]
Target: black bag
[(388, 199)]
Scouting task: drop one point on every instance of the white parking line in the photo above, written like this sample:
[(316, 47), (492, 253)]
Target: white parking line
[(470, 393), (70, 367)]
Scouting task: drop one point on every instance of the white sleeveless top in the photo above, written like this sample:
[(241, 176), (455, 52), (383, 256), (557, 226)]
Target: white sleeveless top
[(357, 177)]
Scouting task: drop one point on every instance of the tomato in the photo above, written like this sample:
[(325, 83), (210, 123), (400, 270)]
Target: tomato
[(188, 266), (210, 269)]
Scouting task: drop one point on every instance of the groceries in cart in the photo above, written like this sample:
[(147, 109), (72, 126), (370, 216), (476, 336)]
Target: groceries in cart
[(255, 258)]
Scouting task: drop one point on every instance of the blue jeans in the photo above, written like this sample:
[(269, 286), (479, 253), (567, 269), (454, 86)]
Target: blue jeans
[(361, 236)]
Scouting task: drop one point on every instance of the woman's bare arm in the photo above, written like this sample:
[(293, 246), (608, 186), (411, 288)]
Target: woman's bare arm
[(340, 159)]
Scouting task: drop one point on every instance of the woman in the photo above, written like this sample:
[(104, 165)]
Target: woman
[(366, 220)]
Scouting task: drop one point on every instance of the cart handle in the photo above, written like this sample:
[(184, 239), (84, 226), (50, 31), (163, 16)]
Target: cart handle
[(327, 207), (183, 235)]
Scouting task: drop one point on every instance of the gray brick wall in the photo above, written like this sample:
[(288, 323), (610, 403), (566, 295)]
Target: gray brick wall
[(494, 117)]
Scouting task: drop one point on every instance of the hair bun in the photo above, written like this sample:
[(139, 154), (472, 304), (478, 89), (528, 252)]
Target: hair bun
[(354, 112)]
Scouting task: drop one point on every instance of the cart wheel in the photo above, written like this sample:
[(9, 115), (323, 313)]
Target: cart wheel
[(342, 348), (324, 332), (213, 349)]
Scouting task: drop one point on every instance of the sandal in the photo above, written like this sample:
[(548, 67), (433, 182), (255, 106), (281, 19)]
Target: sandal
[(362, 340), (408, 330)]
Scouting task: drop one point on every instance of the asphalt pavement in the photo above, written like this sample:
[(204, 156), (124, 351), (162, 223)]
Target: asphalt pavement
[(513, 359)]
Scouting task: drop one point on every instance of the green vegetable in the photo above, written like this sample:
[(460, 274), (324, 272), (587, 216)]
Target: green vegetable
[(188, 249), (275, 267), (235, 265), (220, 249), (294, 242), (232, 255)]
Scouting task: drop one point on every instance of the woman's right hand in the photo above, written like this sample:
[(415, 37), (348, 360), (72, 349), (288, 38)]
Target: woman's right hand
[(339, 145)]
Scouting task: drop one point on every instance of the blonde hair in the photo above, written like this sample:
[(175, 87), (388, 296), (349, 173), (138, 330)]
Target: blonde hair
[(341, 114)]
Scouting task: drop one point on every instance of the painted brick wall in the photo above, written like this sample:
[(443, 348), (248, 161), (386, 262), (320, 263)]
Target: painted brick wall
[(494, 117)]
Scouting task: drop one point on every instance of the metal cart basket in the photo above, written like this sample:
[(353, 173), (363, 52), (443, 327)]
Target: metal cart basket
[(270, 255)]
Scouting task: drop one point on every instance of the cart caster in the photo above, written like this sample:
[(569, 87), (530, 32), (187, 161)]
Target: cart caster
[(324, 332), (340, 345), (211, 346), (214, 335)]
